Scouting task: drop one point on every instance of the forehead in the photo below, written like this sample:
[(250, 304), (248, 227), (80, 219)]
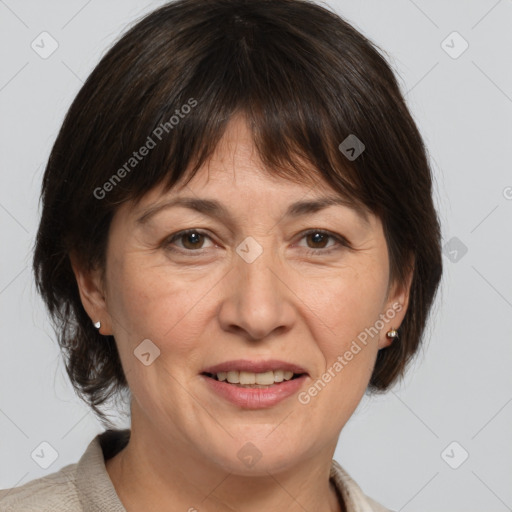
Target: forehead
[(228, 193), (237, 151), (235, 175), (235, 164)]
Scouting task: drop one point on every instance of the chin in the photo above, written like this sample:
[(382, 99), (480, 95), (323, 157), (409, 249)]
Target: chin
[(258, 457)]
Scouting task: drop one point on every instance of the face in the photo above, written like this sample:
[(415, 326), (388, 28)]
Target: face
[(191, 291)]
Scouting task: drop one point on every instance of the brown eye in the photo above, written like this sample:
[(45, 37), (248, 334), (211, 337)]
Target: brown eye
[(187, 241), (192, 240), (317, 241)]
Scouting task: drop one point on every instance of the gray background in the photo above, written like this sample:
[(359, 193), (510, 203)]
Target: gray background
[(458, 390)]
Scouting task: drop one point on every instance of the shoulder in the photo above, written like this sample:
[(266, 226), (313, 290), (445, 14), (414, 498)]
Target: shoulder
[(51, 493), (353, 496), (377, 507), (82, 486)]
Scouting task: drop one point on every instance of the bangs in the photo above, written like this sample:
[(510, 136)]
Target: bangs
[(179, 111)]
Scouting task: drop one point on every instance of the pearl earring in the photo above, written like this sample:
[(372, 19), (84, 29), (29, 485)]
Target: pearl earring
[(393, 333), (97, 324)]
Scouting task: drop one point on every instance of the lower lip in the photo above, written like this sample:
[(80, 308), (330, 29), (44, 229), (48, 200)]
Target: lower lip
[(255, 398)]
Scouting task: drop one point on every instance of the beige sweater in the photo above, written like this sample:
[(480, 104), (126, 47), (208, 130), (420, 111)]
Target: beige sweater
[(85, 486)]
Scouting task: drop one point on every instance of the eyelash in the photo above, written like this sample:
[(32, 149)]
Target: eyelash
[(341, 241)]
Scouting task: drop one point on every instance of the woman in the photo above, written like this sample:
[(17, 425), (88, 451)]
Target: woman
[(238, 228)]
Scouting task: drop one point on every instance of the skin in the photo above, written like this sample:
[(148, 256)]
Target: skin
[(287, 304)]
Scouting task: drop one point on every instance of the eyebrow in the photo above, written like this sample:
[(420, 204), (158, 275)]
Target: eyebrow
[(215, 209)]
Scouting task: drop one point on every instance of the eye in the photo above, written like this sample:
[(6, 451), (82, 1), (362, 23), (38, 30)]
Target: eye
[(191, 240), (320, 238)]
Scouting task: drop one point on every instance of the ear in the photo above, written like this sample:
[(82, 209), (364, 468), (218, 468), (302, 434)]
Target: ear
[(92, 294), (395, 308)]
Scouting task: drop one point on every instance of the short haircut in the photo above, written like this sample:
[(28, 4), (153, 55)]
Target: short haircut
[(304, 79)]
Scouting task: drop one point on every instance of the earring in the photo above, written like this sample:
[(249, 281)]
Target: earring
[(393, 333), (97, 324)]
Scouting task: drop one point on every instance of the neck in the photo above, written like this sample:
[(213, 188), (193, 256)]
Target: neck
[(149, 477)]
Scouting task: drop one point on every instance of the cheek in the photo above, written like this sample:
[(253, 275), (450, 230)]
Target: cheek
[(151, 302), (340, 319), (344, 307)]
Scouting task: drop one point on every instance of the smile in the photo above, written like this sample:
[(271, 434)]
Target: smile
[(252, 379), (254, 396)]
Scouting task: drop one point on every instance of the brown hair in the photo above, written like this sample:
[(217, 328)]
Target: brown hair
[(305, 80)]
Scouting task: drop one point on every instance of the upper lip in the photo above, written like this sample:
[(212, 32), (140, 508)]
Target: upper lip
[(254, 366)]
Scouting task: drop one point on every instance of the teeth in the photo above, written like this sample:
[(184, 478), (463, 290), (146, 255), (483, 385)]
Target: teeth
[(265, 379), (233, 377), (248, 378), (278, 375)]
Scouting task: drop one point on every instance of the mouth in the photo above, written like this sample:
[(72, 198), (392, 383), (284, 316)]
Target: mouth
[(254, 384), (254, 373), (261, 380)]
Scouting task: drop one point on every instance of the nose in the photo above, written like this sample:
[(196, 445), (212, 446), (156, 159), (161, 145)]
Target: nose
[(257, 300)]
